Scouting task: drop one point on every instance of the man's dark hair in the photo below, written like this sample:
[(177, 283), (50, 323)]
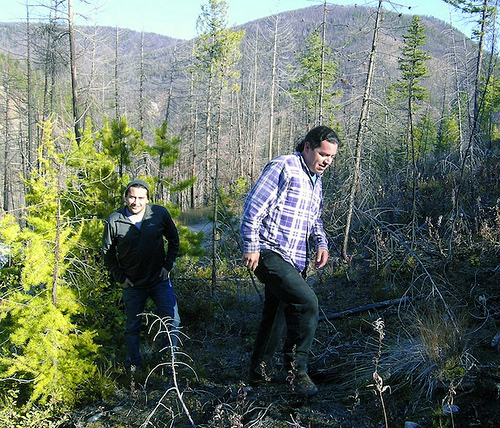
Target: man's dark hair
[(137, 183), (316, 135)]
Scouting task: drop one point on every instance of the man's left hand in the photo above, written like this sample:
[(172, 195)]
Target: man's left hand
[(164, 274), (321, 257)]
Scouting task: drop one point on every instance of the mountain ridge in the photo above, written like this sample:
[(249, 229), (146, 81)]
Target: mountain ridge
[(165, 60)]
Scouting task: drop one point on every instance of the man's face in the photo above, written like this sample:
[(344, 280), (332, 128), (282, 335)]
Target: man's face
[(136, 200), (319, 159)]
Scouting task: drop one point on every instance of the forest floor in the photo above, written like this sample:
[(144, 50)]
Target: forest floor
[(422, 383)]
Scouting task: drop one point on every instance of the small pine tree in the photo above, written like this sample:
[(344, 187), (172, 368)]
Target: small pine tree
[(93, 191), (120, 142), (42, 348), (413, 69), (316, 74)]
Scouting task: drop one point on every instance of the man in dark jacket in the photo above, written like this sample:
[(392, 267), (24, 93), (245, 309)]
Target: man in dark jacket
[(134, 252)]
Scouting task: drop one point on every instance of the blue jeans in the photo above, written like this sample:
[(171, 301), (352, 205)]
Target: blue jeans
[(291, 305), (134, 299)]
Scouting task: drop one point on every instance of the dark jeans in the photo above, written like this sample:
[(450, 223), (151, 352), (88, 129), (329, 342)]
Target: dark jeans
[(134, 300), (289, 304)]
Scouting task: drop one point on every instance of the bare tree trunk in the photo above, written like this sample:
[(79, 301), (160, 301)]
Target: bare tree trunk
[(477, 83), (474, 131), (171, 83), (474, 122), (194, 126), (361, 128), (460, 113), (90, 87), (215, 231), (322, 78), (414, 172), (141, 89), (117, 91), (208, 138), (49, 77), (6, 175), (28, 159), (492, 63), (273, 89), (239, 119), (72, 60), (253, 137)]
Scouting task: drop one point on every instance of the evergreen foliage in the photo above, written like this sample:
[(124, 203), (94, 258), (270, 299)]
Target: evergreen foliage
[(166, 150), (59, 314), (448, 135), (217, 48), (121, 142), (43, 349), (412, 63), (316, 71)]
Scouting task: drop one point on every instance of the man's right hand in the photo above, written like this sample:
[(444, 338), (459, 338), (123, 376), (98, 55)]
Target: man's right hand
[(127, 283), (251, 260)]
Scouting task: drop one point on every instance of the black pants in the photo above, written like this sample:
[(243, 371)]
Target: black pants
[(289, 304)]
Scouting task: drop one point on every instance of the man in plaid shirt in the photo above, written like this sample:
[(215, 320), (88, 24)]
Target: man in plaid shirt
[(281, 226)]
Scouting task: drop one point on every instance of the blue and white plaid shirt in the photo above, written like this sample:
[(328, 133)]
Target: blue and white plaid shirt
[(283, 210)]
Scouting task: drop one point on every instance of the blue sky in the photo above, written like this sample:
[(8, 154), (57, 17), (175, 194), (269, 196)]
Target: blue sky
[(177, 18)]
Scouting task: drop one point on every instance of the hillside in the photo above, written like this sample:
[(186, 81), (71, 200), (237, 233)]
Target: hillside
[(349, 34), (148, 78)]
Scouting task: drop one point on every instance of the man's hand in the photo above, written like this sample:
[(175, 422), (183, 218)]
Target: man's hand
[(321, 258), (127, 283), (251, 260), (164, 274)]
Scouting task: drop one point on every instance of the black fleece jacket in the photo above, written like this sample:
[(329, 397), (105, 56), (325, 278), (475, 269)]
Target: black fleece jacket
[(139, 254)]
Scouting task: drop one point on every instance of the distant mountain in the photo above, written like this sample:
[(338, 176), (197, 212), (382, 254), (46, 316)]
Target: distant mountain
[(164, 60)]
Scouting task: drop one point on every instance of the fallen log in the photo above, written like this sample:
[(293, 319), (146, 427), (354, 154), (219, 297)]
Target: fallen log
[(376, 305)]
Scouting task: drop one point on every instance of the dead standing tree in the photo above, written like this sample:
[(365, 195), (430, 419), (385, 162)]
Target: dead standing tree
[(361, 128), (484, 11), (74, 80), (217, 53)]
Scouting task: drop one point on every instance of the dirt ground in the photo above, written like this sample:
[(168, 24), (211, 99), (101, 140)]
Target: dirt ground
[(457, 387)]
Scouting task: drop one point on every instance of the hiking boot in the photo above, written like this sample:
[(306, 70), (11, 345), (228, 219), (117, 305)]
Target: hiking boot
[(304, 386)]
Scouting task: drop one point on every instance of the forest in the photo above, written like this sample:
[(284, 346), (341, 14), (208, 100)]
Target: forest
[(410, 297)]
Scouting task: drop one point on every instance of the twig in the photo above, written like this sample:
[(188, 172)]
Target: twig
[(434, 289), (376, 305), (168, 326), (378, 384)]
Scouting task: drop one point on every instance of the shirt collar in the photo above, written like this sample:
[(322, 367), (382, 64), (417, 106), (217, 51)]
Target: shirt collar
[(313, 176)]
